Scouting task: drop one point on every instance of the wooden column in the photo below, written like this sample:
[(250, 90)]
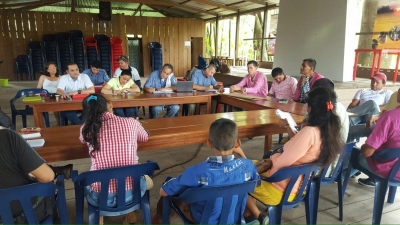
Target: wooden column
[(216, 36), (264, 28), (237, 37), (73, 5)]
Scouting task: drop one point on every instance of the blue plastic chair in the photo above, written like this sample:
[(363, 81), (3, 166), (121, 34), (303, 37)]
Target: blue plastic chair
[(104, 176), (28, 110), (24, 193), (307, 171), (321, 180), (382, 184), (231, 194)]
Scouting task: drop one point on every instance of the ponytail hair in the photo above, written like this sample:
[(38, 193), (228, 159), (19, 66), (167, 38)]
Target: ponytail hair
[(323, 116), (93, 108)]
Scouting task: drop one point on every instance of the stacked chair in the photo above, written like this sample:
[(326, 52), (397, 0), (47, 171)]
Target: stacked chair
[(116, 51), (78, 50), (22, 65), (64, 48), (91, 50), (103, 45), (36, 57), (50, 49), (156, 58)]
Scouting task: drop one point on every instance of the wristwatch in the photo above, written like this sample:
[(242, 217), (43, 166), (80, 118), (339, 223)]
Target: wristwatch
[(79, 91)]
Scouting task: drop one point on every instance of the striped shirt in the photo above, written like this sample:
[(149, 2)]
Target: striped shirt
[(118, 138), (285, 89)]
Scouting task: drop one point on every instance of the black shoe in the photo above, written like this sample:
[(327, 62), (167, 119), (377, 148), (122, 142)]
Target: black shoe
[(366, 182), (63, 170), (356, 174)]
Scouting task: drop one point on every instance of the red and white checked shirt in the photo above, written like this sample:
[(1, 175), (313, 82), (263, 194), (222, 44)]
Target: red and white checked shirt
[(284, 90), (118, 137)]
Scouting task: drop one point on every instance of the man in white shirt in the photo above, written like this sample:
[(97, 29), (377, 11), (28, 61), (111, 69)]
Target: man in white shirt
[(71, 84), (369, 102)]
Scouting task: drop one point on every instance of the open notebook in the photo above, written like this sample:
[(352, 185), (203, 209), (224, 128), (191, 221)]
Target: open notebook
[(36, 143)]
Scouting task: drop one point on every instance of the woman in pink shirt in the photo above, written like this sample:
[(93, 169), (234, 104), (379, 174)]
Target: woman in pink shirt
[(253, 83), (316, 143)]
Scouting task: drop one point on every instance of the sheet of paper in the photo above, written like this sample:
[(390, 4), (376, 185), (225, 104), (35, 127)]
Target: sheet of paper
[(36, 143), (31, 135), (163, 92), (289, 118)]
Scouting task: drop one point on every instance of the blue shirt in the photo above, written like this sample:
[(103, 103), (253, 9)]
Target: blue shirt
[(215, 171), (99, 78), (200, 79), (155, 81)]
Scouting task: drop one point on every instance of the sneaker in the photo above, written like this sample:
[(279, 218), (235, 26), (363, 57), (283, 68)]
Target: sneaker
[(366, 182), (356, 174), (263, 218)]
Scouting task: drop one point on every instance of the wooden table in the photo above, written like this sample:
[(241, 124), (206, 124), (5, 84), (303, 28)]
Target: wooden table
[(62, 143), (267, 103), (132, 100)]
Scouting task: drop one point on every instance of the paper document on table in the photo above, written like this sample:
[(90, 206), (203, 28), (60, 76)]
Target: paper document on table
[(36, 143), (30, 135), (289, 118), (245, 96), (163, 92)]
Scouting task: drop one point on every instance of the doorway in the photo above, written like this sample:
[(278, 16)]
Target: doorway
[(136, 54), (196, 49)]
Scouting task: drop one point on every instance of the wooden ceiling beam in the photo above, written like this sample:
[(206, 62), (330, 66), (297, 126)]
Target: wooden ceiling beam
[(235, 3), (206, 2), (244, 12), (257, 2), (147, 2), (137, 9)]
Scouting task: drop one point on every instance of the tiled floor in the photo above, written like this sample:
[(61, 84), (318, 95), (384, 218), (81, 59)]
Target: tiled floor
[(358, 202)]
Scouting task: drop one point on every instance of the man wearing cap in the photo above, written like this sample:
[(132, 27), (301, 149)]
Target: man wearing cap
[(97, 75), (124, 65), (369, 102)]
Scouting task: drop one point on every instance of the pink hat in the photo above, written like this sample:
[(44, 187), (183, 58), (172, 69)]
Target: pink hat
[(379, 77)]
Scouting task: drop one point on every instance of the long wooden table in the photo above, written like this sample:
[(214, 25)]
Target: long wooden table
[(266, 103), (132, 100), (62, 143)]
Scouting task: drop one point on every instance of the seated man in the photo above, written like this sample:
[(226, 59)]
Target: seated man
[(97, 75), (71, 84), (364, 130), (369, 102), (384, 135), (307, 80), (204, 80), (21, 165), (223, 138), (160, 81), (284, 86)]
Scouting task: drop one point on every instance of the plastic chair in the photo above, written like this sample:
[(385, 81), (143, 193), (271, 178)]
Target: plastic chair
[(24, 193), (104, 176), (211, 194), (293, 173), (28, 110), (382, 184), (317, 182)]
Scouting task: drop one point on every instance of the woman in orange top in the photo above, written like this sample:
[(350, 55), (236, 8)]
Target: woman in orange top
[(318, 142)]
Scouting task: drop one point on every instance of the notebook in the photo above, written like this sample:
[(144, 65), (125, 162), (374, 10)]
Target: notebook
[(184, 86), (33, 99), (36, 143)]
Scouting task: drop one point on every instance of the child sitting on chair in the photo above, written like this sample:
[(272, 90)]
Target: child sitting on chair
[(221, 169)]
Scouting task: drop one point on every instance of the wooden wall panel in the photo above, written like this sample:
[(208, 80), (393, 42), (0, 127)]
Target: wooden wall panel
[(19, 28)]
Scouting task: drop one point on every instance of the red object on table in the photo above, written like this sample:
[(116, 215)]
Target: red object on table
[(97, 88), (79, 96)]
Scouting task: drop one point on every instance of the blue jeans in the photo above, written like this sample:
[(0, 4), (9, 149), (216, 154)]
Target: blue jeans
[(172, 110), (358, 162), (127, 112), (93, 197), (358, 131), (72, 116), (364, 111)]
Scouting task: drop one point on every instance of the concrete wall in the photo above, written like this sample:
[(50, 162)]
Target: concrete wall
[(320, 29)]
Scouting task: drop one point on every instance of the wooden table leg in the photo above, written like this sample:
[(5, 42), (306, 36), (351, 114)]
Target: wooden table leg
[(267, 143), (197, 112), (209, 106), (38, 117)]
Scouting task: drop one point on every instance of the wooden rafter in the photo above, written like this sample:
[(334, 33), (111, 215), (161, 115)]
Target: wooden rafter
[(39, 4), (172, 13), (137, 9), (257, 2), (206, 2), (159, 11), (245, 12), (235, 3), (147, 2)]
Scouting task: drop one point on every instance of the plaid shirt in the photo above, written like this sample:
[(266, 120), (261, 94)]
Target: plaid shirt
[(118, 138)]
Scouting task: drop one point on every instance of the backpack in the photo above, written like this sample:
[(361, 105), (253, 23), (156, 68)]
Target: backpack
[(217, 64), (201, 63), (189, 73)]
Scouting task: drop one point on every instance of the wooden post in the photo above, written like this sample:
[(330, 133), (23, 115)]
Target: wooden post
[(264, 28), (216, 36), (73, 5), (237, 38)]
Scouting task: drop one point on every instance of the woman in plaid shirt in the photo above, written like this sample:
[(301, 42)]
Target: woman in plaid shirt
[(112, 142)]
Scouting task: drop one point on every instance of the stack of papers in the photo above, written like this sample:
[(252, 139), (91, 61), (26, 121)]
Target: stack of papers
[(31, 135), (36, 143)]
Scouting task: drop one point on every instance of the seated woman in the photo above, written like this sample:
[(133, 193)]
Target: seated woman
[(122, 85), (253, 83), (112, 142), (317, 142), (49, 79)]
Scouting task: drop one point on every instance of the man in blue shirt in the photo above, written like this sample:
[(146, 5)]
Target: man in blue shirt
[(221, 169), (163, 80), (97, 75), (204, 80)]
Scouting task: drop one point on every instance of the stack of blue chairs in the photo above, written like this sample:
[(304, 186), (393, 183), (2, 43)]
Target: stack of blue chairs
[(156, 58)]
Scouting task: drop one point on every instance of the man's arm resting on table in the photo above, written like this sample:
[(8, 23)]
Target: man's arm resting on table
[(148, 89), (201, 88), (354, 103), (367, 151)]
